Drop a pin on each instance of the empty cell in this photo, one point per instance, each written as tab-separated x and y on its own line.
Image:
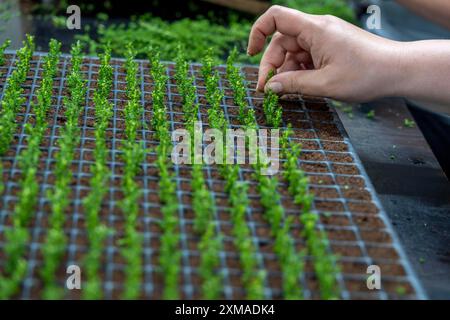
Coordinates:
345	169
326	193
341	234
346	250
382	252
378	236
338	220
333	206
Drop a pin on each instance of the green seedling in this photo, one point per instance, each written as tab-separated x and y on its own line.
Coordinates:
12	96
407	123
2	51
272	110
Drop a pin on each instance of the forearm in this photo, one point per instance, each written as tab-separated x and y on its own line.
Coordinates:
422	71
434	10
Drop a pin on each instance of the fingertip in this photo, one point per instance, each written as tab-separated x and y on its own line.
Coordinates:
259	88
276	87
256	42
253	49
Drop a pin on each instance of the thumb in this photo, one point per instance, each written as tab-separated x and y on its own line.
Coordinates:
308	82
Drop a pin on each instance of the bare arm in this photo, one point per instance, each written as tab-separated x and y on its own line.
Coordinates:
434	10
326	56
426	71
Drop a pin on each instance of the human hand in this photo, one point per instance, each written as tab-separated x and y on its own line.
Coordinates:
324	56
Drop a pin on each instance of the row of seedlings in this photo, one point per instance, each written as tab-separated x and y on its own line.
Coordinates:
203	204
246	115
98	183
169	253
291	262
17	238
13	98
3	47
132	156
324	262
317	241
253	276
55	243
2	63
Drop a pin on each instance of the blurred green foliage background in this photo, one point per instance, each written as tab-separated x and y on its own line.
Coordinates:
196	24
200	32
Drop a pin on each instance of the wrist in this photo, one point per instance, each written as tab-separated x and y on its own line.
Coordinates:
398	70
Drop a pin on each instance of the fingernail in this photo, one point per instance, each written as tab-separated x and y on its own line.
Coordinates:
276	87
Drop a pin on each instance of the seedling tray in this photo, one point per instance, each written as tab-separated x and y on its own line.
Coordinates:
358	229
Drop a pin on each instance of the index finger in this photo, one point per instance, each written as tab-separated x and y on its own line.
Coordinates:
286	21
275	55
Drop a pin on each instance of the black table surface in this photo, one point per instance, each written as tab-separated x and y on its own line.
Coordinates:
411	185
